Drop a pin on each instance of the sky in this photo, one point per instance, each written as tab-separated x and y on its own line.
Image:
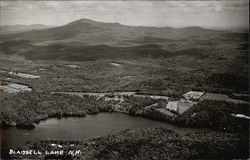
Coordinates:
136	13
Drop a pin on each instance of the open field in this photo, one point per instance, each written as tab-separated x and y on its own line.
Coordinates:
149	68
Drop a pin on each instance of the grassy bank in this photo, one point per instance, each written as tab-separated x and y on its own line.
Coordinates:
26	109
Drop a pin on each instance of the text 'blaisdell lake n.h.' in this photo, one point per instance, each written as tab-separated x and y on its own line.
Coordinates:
124	80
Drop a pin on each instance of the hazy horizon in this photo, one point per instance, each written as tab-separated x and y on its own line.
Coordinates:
206	14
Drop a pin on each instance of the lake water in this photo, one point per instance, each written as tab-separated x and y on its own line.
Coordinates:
81	128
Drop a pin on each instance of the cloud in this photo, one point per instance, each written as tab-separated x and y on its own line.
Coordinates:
158	13
95	5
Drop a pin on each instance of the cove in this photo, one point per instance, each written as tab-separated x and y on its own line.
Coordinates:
96	125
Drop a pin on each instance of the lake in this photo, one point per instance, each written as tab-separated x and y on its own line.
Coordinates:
81	128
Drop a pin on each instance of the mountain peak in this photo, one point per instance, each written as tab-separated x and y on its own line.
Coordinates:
93	22
83	20
95	32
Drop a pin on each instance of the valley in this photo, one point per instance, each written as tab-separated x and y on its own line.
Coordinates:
187	77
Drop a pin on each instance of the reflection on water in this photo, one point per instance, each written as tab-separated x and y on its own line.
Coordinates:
81	128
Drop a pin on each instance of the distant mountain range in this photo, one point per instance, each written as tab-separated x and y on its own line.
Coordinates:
86	39
93	33
9	29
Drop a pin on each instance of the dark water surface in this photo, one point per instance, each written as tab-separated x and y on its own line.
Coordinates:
81	128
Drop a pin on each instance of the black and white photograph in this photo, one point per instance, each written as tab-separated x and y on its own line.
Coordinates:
124	79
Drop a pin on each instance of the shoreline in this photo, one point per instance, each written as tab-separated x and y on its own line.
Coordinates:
169	120
149	107
160	142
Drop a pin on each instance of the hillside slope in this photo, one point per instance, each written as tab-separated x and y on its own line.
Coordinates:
86	39
91	32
